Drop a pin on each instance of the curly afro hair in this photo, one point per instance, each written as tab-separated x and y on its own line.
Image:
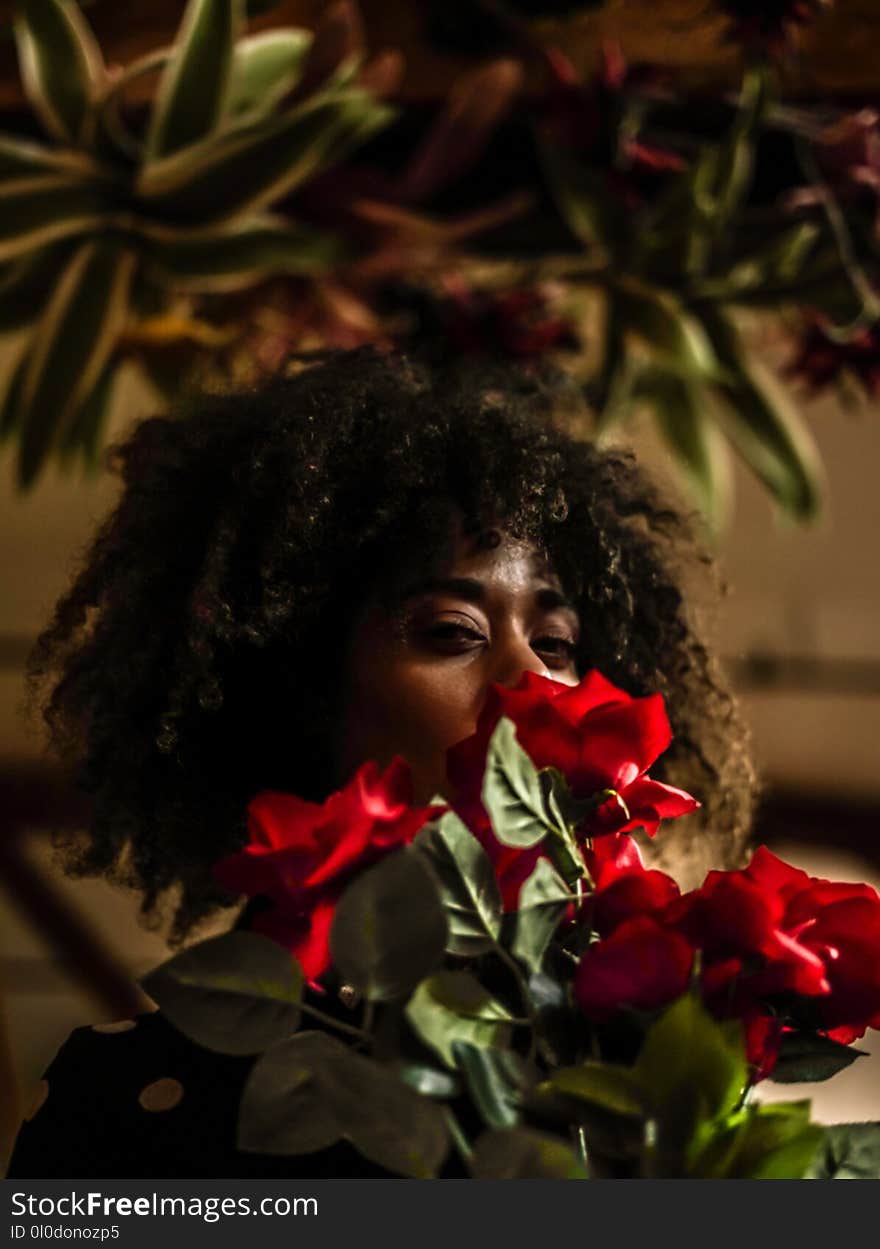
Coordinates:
180	673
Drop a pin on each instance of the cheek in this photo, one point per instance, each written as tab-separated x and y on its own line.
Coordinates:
429	707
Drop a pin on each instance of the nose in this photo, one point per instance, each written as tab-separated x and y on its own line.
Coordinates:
514	659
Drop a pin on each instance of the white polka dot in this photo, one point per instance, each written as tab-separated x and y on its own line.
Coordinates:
39	1097
120	1025
162	1094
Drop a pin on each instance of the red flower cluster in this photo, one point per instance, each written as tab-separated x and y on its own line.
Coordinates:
596	735
821	359
301	855
768	937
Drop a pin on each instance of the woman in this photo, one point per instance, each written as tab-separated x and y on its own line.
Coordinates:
296	579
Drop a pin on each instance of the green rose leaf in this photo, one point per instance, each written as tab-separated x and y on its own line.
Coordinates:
453	1006
542	903
61	65
848	1151
235	994
692	1069
389	930
311	1091
522	1154
774	1142
806	1056
602	1086
191	96
512	791
496	1078
468	886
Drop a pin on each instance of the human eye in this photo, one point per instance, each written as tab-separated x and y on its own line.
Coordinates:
557	651
451	634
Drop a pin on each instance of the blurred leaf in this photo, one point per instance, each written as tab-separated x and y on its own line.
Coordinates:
84	434
35	212
602	1085
250	166
454	1006
512	793
10	409
239	257
679	407
473	108
191	96
763	423
235	994
26	283
778	264
25	159
73	341
264	68
692	1072
522	1154
468	886
849	1151
389	929
429	1081
494	1079
311	1091
543	901
810	1057
656	317
61	65
774	1142
593	216
336	50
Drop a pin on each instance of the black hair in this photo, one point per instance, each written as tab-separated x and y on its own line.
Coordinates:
182	670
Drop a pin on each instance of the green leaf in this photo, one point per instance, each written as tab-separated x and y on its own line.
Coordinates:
191	96
806	1056
542	903
582	198
601	1085
495	1078
265	68
679	408
692	1072
10	410
655	316
248	167
35	212
236	258
22	159
849	1151
429	1081
26	283
235	994
522	1154
453	1006
763	424
512	793
389	930
73	342
468	887
774	1142
84	434
61	65
311	1091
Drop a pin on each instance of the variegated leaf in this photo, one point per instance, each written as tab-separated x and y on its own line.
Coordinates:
249	168
61	65
83	434
265	67
26	283
71	345
37	211
192	93
24	158
233	259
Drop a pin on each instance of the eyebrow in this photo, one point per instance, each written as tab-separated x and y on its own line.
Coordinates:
473	591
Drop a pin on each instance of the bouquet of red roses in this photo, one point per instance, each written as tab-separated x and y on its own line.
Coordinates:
500	979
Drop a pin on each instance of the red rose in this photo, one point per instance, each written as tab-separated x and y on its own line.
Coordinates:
301	855
623	886
642	965
597	735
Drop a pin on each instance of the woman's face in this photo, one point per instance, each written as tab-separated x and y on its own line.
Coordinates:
417	679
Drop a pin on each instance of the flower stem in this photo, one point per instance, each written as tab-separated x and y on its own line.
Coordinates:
461	1142
334	1023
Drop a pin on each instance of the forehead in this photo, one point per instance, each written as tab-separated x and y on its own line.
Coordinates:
493	554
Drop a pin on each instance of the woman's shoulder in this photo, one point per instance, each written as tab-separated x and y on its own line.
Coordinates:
137	1098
